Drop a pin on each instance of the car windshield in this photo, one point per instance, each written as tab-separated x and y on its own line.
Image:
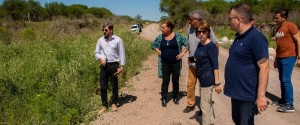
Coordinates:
134	27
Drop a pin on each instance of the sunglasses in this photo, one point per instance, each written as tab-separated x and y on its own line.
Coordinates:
201	31
105	30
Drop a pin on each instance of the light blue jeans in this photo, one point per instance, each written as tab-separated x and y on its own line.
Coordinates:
285	68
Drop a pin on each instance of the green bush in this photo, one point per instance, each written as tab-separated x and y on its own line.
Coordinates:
52	80
28	34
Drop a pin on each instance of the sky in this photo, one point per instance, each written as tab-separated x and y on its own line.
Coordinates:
148	9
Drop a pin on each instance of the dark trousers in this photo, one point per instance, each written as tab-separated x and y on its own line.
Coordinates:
167	70
107	73
243	112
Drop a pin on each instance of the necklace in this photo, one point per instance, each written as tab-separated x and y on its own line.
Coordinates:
168	42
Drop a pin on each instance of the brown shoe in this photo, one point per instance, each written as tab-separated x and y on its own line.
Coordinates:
114	107
102	110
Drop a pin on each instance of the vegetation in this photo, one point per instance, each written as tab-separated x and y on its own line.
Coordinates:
216	11
49	74
31	10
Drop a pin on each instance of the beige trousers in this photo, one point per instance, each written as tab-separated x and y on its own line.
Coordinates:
208	115
191	83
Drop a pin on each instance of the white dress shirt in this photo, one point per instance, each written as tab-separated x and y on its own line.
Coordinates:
111	50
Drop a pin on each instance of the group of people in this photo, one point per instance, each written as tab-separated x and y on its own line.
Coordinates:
246	70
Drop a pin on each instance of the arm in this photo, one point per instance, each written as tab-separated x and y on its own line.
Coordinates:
157	51
217	86
264	69
155	45
184	43
297	38
213	58
99	53
121	50
181	54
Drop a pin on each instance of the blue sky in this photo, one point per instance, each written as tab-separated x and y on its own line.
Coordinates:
148	9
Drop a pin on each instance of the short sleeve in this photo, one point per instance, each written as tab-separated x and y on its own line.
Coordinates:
293	28
259	47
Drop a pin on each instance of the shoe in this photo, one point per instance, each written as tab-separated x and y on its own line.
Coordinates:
114	107
164	102
200	113
280	102
188	109
102	110
176	101
287	108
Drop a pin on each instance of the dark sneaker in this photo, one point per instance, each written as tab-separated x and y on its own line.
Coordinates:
286	108
188	109
280	102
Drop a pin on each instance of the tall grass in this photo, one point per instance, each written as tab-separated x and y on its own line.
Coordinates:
50	77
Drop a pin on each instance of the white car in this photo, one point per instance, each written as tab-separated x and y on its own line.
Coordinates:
135	28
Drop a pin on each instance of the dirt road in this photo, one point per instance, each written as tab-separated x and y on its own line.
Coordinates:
140	104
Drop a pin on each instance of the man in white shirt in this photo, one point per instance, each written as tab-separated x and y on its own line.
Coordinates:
110	52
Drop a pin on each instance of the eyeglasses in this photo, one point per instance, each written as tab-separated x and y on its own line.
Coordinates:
105	30
191	19
231	18
201	31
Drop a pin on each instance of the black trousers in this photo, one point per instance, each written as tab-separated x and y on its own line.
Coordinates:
167	71
243	112
107	73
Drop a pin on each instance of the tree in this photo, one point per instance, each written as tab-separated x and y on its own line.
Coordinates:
77	10
35	10
56	9
178	10
100	12
16	9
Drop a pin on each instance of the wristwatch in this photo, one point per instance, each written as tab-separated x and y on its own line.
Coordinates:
217	84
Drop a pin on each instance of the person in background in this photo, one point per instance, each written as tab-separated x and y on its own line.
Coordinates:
111	53
288	48
195	17
170	47
247	67
207	70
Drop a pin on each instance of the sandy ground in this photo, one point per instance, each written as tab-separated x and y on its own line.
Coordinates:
140	104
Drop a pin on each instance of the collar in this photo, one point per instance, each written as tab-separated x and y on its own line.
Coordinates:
237	35
111	38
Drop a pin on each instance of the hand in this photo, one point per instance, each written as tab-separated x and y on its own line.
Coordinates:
159	53
119	70
189	62
103	62
218	89
275	64
261	103
179	56
298	62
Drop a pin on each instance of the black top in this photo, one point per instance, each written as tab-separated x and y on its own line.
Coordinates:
169	51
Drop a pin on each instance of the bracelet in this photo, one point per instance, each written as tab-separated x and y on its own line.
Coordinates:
217	84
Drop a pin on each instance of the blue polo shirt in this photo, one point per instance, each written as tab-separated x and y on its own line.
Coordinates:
241	70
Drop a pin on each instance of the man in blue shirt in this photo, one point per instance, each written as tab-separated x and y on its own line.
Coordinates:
247	67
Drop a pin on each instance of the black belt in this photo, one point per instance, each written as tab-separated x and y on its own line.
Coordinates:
110	63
